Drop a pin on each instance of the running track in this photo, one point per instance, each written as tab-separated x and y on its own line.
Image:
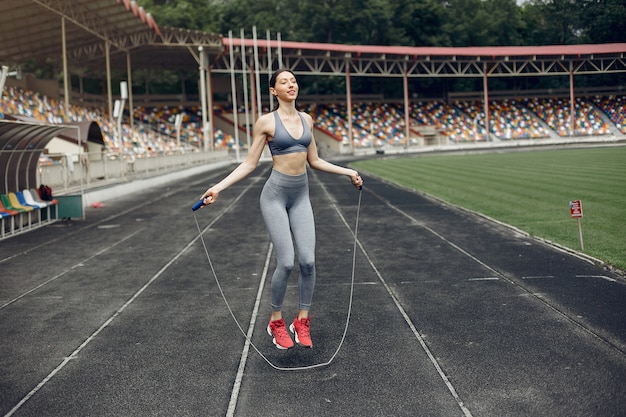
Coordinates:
452	315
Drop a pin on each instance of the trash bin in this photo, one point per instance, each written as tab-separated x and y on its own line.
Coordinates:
70	206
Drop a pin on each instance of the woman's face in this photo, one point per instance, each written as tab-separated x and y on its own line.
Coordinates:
286	87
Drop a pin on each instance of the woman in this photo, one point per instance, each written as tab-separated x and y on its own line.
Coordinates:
285	203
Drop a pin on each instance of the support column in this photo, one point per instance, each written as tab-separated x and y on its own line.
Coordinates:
130	89
107	56
572	100
209	97
244	77
233	88
486	103
269	65
66	80
257	73
205	136
407	109
349	108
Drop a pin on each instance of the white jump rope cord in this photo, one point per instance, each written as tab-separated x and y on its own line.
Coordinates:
345	330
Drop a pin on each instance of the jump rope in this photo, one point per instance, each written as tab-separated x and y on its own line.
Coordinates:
219	286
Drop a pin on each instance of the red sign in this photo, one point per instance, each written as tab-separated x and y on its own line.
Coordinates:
576	208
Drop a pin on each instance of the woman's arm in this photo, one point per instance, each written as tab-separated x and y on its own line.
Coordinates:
260	133
320	164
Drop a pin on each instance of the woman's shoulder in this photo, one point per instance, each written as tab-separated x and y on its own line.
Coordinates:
268	115
306	116
266	118
265	123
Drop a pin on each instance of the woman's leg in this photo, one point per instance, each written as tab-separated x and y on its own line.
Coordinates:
303	227
274	210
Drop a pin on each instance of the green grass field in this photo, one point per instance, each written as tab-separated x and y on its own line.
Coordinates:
530	190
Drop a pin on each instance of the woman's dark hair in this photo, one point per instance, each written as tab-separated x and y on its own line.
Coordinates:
273	82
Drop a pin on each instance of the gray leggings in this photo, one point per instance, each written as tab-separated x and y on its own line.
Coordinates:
286	209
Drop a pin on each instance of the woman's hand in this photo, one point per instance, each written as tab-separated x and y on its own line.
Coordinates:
356	180
209	197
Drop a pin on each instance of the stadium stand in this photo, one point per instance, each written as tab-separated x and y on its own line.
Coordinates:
374	124
556	113
507	120
162	120
141	140
615	109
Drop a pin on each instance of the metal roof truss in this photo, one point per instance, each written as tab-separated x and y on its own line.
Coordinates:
427	66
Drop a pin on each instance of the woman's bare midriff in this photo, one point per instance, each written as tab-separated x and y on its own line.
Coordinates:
291	163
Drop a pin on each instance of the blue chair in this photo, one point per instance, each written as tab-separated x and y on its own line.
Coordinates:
23	203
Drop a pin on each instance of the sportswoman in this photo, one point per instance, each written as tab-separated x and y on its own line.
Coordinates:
285	203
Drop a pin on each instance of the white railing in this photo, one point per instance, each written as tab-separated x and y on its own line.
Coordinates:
69	173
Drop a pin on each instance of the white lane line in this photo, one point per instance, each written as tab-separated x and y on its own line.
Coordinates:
537	296
406	317
539	277
604	277
74	354
97	332
484	279
96	224
234	395
79	264
418	336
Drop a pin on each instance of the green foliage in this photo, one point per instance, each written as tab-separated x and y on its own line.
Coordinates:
529	190
603	21
272	15
483	22
410	23
190	14
404	22
165	82
44	69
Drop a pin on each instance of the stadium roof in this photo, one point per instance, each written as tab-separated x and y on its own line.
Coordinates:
374	60
21	143
34	28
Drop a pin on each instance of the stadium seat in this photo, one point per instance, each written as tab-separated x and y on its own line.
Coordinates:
44	208
23	214
3	228
17	200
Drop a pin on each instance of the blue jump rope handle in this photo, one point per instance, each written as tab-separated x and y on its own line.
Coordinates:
198	205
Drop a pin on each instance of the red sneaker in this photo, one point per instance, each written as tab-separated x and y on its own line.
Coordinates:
301	329
278	331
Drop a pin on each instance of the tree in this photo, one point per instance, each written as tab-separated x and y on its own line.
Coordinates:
272	15
189	14
424	25
603	21
483	22
552	22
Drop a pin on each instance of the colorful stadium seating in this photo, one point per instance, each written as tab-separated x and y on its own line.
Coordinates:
374	124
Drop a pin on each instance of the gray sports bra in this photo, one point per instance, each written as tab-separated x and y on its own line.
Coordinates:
283	143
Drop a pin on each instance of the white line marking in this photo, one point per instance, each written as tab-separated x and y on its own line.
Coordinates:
406	317
77	231
420	339
234	395
484	279
100	329
117	313
539	277
597	276
60	274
